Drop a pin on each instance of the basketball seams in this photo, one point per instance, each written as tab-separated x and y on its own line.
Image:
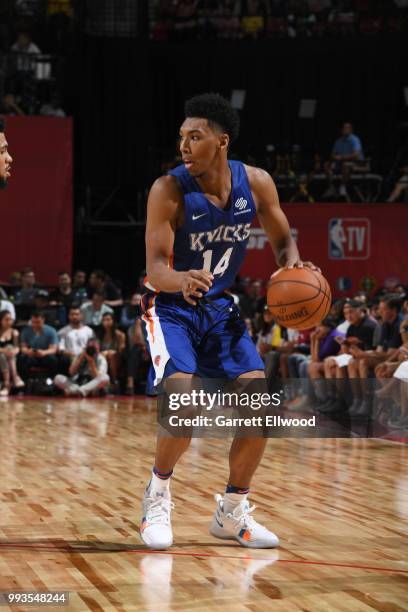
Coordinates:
294	324
294	303
298	282
321	288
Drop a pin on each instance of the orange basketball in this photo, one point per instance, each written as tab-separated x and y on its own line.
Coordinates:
299	298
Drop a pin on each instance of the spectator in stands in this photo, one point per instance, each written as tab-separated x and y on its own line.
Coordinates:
340	311
137	354
400	190
88	373
268	340
24	298
65	295
387	368
347	151
39	344
74	337
93	311
9	106
113	344
55	315
14	284
269	336
9	349
365	361
323	345
249	303
98	281
25	47
359	337
80	287
131	311
79	281
9	307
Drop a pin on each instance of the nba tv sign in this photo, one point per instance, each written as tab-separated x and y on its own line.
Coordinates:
349	238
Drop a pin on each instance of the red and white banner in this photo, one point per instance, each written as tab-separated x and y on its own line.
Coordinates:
36	212
357	246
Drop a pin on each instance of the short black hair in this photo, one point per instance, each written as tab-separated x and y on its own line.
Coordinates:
392	300
356	304
99	274
38	314
217	110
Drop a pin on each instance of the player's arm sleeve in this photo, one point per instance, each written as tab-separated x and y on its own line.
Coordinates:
272	218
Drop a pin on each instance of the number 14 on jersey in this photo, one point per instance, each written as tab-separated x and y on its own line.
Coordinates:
221	266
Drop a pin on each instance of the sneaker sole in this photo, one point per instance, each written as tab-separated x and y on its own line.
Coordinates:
159	547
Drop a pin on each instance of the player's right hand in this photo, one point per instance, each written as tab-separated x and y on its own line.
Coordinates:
194	284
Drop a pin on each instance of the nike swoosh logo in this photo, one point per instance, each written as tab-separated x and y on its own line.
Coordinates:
220	524
195	217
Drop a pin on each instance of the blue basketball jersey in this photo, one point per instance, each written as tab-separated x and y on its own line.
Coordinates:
212	238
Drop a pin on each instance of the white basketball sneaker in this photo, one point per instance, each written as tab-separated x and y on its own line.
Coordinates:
155	529
239	525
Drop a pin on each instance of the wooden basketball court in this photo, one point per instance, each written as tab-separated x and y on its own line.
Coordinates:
72	476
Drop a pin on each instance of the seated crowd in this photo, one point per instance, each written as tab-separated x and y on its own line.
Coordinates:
355	361
83	337
181	20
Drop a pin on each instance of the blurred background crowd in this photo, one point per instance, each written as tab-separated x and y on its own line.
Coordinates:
85	336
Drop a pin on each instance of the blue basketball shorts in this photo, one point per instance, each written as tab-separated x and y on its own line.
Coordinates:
209	340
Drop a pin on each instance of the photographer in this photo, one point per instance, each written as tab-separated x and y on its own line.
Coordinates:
88	372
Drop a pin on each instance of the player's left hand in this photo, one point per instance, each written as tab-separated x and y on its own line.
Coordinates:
303	264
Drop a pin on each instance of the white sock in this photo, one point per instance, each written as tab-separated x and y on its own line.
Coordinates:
231	501
159	485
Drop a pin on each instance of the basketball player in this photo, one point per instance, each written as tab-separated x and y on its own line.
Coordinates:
5	158
198	223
